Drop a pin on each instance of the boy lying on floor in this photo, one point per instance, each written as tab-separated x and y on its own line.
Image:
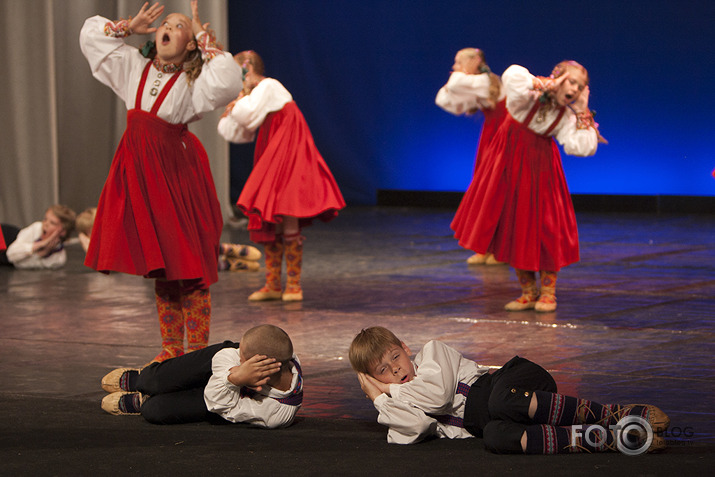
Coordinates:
258	382
515	409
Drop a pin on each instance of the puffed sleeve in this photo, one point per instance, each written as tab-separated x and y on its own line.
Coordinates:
576	142
406	424
109	58
231	131
219	82
462	92
250	111
432	390
518	85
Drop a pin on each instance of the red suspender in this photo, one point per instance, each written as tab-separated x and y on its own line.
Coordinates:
558	118
533	111
162	95
140	90
165	91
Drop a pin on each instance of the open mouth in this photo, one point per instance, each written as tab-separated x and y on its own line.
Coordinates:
165	39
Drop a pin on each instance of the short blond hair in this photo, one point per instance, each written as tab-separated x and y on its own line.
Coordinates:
85	221
369	346
267	340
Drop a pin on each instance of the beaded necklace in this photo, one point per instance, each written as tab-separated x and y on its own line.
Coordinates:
166	67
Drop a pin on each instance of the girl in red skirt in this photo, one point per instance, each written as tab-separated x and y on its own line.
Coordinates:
158	215
290	184
473	87
522	210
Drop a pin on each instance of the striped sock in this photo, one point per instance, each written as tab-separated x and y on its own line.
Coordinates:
130	403
561	410
128	380
544	439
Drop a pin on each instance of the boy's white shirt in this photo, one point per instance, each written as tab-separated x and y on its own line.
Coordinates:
224	398
439	369
20	253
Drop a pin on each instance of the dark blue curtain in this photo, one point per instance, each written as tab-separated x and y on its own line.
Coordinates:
365	75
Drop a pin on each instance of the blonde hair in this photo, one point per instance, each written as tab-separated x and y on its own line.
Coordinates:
66	216
85	220
193	63
252	58
369	346
268	340
561	68
494	80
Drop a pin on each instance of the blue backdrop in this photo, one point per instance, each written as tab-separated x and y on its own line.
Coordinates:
365	75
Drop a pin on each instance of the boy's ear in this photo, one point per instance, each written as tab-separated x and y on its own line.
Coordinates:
406	348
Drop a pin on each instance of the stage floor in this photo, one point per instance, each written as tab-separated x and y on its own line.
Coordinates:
635	320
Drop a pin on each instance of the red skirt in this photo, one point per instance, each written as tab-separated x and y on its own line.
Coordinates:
492	120
158	215
518	206
289	177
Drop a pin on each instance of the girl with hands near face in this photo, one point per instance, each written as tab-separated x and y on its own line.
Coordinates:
472	87
158	216
290	185
526	215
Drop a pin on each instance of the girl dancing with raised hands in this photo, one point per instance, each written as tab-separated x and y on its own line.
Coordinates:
158	215
473	87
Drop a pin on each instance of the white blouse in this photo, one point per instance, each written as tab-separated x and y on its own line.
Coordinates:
464	92
224	398
249	112
521	96
119	66
439	369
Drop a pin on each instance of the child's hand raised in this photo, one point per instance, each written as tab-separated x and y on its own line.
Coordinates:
254	372
141	23
196	25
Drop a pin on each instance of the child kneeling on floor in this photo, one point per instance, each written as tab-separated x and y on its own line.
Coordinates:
515	409
257	382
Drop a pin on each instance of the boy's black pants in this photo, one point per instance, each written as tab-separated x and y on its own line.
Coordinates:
176	387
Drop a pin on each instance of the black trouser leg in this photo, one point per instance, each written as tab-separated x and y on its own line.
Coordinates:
183	372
